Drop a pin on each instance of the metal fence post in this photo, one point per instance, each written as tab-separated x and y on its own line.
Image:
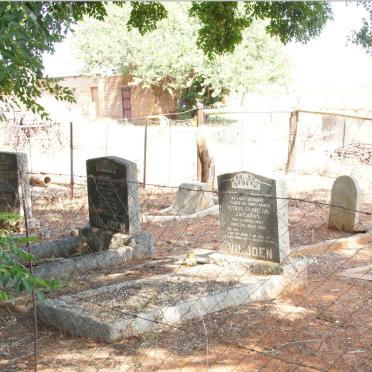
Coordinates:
26	213
145	155
71	160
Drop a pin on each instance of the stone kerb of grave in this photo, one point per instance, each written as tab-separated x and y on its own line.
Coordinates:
160	301
193	200
217	283
345	204
14	183
114	209
254	217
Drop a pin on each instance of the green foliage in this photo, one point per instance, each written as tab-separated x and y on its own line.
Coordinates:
293	20
27	30
13	273
222	23
197	92
9	217
168	56
363	36
30	28
144	16
222	26
9	222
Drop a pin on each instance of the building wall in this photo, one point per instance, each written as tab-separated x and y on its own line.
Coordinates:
144	101
81	86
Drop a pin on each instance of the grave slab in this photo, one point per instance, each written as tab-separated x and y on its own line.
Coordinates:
101	239
191	198
98	240
211	211
135	307
254	216
249	264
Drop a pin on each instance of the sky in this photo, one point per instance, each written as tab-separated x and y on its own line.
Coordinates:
328	61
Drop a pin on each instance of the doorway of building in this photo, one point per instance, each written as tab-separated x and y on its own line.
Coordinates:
127	102
94	98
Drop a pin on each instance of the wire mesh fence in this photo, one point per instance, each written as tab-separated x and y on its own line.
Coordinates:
325	145
171	288
334	144
191	304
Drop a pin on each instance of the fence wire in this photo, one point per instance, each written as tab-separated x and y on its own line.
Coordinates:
186	307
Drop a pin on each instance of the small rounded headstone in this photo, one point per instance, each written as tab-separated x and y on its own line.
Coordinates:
75	231
345	204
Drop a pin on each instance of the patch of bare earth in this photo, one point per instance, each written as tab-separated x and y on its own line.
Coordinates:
325	325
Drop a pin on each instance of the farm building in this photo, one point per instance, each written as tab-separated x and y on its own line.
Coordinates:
116	97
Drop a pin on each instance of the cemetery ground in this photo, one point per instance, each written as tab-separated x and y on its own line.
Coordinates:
326	320
325	324
58	215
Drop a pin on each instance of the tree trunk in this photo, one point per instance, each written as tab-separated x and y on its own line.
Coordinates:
206	167
205	163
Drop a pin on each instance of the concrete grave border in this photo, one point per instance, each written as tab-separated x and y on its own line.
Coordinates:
61	267
334	244
362	272
212	211
78	321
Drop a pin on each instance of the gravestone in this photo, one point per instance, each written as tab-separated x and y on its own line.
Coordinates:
254	216
14	183
113	195
345	204
191	197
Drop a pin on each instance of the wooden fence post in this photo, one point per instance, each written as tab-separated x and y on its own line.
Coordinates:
199	114
199	121
293	121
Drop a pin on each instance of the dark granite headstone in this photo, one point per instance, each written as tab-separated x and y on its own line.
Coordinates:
113	195
14	183
254	216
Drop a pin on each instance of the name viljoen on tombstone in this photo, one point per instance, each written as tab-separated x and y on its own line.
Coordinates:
113	194
13	176
254	221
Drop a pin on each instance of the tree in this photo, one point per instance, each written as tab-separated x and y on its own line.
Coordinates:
28	29
168	56
363	36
